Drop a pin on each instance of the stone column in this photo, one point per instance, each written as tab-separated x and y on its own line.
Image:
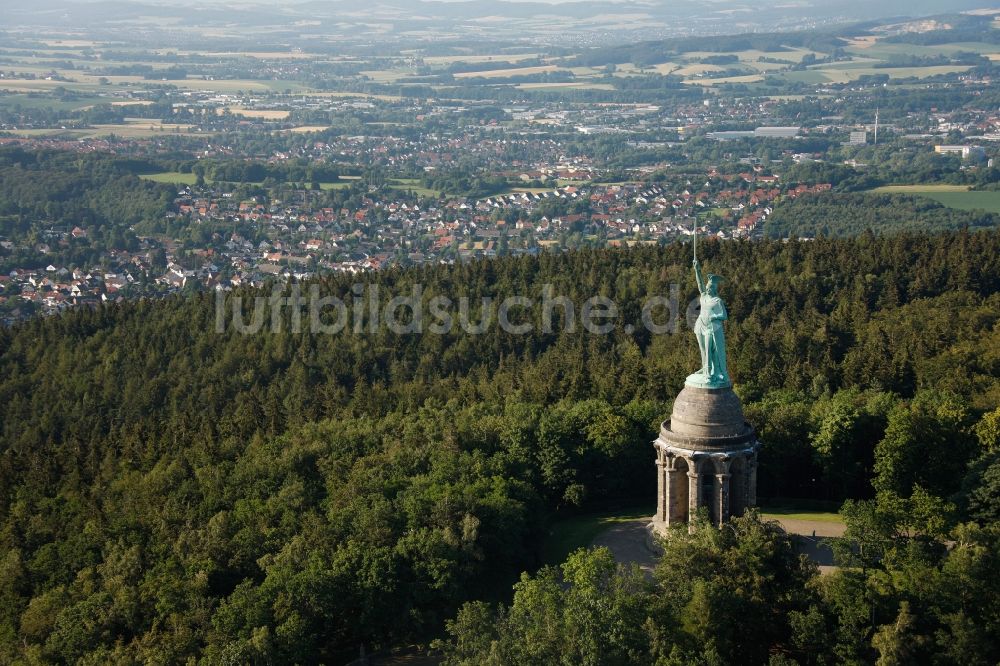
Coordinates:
752	480
676	487
694	494
722	497
661	488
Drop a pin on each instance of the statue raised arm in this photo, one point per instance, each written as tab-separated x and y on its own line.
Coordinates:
697	276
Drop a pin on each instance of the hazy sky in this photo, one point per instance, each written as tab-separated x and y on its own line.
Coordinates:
940	6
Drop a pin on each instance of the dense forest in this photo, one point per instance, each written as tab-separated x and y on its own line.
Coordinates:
171	492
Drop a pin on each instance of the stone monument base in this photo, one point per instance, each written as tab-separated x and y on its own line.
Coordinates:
706	457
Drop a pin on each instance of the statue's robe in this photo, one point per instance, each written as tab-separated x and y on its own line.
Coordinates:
711	338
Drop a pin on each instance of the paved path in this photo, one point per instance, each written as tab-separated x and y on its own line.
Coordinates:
628	541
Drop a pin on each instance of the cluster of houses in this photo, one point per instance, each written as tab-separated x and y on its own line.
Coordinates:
54	288
255	241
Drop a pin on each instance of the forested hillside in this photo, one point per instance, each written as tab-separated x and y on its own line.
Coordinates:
168	491
42	191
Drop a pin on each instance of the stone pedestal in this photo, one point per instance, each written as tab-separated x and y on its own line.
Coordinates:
706	456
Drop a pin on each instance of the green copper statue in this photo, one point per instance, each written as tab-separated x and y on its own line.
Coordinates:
708	331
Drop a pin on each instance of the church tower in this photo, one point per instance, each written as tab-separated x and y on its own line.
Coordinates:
706	454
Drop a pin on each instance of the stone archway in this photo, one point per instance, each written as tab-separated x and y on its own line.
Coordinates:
708	489
738	486
678	500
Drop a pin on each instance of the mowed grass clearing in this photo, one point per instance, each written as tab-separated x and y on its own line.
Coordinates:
565	536
988	201
413	185
792	514
953	196
172	178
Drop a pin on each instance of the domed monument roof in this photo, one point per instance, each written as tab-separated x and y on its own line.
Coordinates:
707	419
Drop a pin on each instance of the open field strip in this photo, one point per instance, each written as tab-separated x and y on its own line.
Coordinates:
71	43
335	94
662	68
584	71
388	75
505	73
987	201
412	185
694	69
178	178
578	85
746	78
262	114
789	514
90	83
765	66
959	197
883	50
172	178
476	59
261	55
306	129
922	189
143	130
29	102
793	54
846	75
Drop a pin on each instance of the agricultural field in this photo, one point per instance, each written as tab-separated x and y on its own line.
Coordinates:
507	73
413	185
952	196
921	189
578	85
35	101
261	114
306	129
477	59
172	178
132	128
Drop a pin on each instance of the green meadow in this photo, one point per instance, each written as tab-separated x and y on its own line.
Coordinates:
952	196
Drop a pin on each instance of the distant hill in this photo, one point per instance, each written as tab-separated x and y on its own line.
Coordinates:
322	18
